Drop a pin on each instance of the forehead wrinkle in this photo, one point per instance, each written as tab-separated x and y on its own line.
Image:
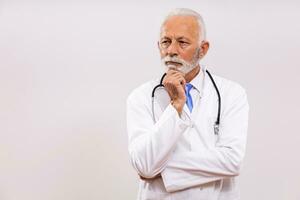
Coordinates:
177	26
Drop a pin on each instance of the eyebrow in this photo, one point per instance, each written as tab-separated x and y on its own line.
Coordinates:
164	38
182	37
178	38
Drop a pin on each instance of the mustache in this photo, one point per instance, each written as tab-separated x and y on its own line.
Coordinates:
173	59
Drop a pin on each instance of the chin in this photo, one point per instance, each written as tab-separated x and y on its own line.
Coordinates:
185	69
172	67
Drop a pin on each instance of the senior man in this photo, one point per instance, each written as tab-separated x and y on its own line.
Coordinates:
178	145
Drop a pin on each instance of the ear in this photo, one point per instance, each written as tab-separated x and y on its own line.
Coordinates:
204	48
159	49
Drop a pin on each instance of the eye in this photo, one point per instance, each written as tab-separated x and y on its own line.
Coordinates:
165	43
183	42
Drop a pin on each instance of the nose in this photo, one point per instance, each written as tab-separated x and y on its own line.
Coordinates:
172	50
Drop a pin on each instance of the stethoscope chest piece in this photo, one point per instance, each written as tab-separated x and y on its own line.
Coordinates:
216	129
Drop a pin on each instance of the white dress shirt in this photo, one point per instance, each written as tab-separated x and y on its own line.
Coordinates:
180	157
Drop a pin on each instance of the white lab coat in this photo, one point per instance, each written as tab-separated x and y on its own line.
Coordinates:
180	156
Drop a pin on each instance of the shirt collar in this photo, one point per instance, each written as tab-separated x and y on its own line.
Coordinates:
197	81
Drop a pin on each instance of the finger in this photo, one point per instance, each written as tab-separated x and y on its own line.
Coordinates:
171	72
179	78
176	71
184	82
175	78
171	77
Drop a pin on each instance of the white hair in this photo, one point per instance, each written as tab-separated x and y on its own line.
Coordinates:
189	12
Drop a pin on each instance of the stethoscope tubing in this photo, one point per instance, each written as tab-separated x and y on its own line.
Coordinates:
217	122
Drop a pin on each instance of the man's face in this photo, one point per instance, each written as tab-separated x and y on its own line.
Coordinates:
179	43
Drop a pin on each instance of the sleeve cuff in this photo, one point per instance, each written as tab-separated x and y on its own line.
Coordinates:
184	118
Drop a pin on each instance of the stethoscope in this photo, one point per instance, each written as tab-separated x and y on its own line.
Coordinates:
217	122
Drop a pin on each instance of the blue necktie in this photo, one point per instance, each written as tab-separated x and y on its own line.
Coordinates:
189	101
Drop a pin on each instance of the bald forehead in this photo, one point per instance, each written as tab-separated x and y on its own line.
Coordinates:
181	26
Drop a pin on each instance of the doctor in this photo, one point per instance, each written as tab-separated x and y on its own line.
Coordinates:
173	145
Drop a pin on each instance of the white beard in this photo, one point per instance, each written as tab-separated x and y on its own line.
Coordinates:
185	67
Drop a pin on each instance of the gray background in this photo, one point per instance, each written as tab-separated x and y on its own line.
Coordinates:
66	69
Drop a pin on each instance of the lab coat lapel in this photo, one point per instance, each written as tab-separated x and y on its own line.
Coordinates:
186	110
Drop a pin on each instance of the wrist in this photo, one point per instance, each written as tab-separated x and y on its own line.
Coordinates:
178	105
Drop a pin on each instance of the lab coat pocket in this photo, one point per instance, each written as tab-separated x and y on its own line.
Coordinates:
211	131
199	193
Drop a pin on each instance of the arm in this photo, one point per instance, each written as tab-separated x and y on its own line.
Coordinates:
224	160
150	145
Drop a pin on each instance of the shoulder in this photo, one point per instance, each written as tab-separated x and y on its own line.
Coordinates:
224	85
231	91
229	86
